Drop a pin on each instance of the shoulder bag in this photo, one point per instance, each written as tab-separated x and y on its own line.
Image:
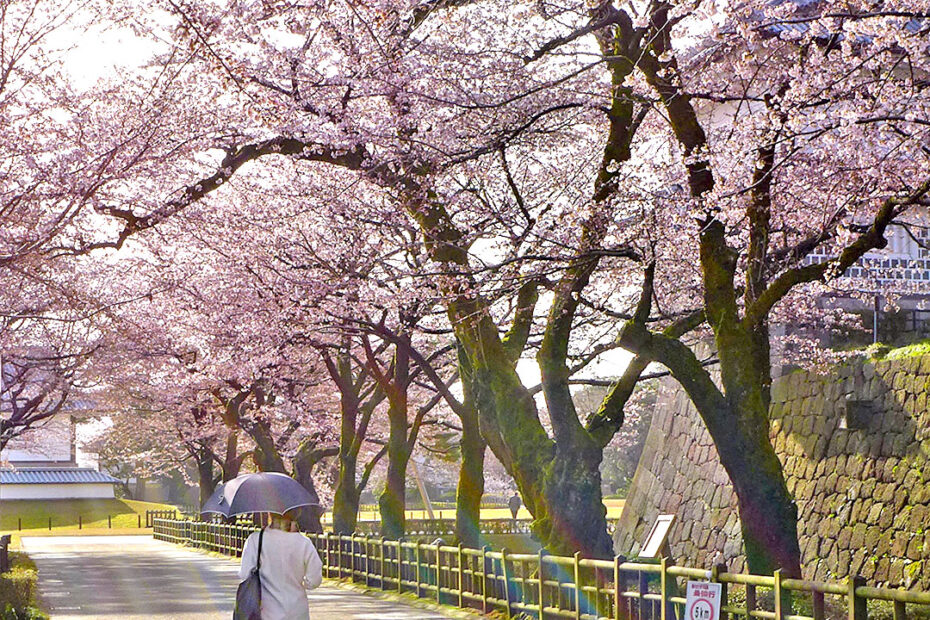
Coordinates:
249	594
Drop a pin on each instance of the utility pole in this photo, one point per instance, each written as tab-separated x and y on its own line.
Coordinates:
422	489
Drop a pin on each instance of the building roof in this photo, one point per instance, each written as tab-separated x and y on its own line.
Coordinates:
54	475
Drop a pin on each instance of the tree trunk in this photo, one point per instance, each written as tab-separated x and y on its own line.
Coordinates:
768	515
205	477
737	420
560	484
307	457
232	463
393	501
345	500
309	519
470	485
575	516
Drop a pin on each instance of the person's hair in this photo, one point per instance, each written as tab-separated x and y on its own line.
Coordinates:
283	522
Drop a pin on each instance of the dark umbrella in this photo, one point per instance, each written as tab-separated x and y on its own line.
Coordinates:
261	492
217	503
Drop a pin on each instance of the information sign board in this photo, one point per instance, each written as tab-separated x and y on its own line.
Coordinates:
703	601
657	536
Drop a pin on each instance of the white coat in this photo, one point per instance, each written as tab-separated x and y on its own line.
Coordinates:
290	567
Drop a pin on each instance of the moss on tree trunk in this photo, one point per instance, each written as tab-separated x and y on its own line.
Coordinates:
470	485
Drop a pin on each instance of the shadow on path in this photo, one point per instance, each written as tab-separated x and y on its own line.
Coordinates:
136	577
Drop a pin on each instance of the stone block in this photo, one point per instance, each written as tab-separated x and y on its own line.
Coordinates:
924	365
843	539
854	466
883	544
885	492
896	573
842	562
899	381
881	570
899	543
900	498
856	560
886	517
857	538
900	447
876	389
887	469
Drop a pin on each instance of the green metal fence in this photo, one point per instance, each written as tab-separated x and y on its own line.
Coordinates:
547	586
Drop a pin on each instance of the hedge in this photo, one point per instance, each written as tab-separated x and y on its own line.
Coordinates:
18	590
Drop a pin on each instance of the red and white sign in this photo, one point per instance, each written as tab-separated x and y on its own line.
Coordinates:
703	601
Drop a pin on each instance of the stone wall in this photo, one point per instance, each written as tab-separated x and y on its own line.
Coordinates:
855	446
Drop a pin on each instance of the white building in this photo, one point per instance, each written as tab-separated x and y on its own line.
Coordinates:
43	464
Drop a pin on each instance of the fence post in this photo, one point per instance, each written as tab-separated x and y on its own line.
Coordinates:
819	606
438	572
5	553
326	553
663	585
80	522
400	566
619	587
484	579
540	573
577	568
461	577
900	613
352	558
139	521
857	604
383	567
110	522
418	568
506	581
643	590
715	572
779	611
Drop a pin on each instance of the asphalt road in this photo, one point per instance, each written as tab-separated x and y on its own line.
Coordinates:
136	578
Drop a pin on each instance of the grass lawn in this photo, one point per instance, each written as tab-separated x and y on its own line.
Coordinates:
614	508
67	514
514	543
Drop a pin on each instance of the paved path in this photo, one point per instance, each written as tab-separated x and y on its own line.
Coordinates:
136	578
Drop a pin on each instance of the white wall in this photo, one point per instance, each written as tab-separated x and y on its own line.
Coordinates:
56	491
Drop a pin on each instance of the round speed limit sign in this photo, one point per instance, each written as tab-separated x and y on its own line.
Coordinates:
703	601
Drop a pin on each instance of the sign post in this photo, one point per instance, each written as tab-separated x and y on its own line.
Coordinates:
702	601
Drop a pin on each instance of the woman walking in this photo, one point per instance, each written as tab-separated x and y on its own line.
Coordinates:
289	567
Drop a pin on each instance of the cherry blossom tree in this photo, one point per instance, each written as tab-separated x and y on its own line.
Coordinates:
568	168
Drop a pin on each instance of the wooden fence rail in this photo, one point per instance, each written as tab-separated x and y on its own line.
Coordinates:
151	515
547	586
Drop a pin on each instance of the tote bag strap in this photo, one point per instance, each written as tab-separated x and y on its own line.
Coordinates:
258	562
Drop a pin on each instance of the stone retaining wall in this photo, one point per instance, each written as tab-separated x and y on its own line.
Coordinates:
855	446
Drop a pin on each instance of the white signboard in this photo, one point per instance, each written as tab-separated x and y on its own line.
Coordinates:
703	601
657	536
